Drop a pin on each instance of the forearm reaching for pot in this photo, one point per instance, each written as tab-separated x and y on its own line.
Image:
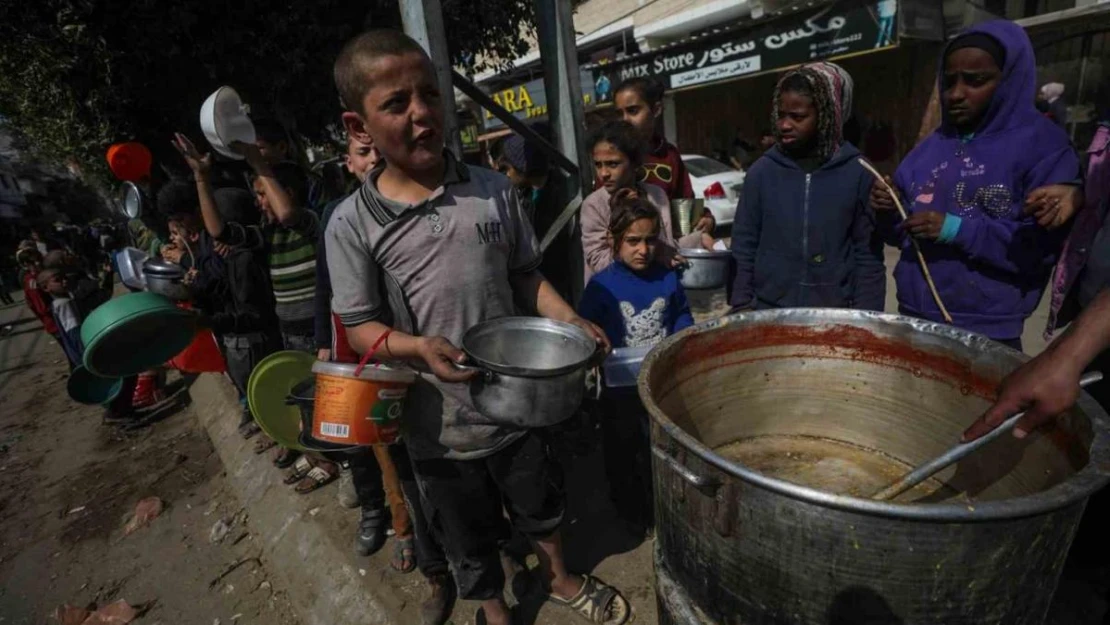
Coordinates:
1048	385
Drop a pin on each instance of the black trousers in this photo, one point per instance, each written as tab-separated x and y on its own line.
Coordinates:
467	499
366	475
624	435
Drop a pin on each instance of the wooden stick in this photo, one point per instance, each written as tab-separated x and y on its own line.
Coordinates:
916	247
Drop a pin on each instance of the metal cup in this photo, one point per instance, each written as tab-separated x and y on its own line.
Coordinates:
685	214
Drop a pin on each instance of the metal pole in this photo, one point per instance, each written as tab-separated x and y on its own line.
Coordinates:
559	57
423	21
474	93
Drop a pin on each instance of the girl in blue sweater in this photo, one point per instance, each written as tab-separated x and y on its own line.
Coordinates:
637	302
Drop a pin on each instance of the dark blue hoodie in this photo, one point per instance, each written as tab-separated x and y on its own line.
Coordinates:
991	275
806	239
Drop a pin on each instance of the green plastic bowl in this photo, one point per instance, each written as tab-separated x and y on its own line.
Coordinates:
87	388
134	333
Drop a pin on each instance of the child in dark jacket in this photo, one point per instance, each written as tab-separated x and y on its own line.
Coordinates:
804	233
965	186
637	302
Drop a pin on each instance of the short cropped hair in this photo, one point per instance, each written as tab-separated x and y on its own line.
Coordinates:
176	197
352	65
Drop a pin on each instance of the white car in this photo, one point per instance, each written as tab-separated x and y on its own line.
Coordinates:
719	184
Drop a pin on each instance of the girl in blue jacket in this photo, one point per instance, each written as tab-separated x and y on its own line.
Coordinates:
804	230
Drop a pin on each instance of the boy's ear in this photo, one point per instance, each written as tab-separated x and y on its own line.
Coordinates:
356	127
657	110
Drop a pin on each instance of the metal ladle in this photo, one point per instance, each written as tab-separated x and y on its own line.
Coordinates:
960	451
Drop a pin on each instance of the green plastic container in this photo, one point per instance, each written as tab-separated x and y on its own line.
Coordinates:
133	333
87	388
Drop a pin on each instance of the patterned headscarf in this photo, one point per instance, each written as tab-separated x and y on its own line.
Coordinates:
831	87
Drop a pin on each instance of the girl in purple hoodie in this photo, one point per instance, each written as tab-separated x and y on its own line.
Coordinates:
965	186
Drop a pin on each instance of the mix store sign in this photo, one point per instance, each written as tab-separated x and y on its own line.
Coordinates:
829	32
528	102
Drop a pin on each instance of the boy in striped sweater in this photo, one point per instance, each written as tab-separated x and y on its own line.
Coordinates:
288	234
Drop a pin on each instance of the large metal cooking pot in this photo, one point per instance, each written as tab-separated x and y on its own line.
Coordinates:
704	269
735	545
165	278
533	371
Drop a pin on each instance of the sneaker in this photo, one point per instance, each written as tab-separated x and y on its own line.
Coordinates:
371	531
347	496
436	609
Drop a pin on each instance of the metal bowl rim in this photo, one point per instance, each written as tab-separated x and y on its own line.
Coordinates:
697	252
537	324
1079	486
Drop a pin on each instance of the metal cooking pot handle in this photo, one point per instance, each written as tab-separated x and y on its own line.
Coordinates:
486	374
708	485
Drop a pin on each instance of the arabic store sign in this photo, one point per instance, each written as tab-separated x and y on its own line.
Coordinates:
816	35
529	101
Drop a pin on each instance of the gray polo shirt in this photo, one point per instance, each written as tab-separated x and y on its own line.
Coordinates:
436	268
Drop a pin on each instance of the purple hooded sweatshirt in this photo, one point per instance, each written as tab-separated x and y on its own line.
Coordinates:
993	271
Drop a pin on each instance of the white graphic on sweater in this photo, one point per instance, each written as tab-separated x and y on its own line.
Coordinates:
645	327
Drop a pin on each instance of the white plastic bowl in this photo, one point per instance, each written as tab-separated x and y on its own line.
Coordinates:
224	120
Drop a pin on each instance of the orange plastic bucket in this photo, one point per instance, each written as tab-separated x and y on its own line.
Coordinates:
362	409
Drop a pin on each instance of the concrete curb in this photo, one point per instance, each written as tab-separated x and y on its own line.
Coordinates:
301	535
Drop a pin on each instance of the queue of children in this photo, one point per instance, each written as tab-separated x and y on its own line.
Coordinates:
406	264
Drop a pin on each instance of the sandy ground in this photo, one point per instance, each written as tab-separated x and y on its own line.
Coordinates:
68	485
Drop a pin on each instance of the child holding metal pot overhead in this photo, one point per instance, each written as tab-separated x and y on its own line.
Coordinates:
638	303
964	188
804	233
427	249
287	236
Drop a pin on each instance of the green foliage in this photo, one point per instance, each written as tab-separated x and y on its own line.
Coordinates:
78	75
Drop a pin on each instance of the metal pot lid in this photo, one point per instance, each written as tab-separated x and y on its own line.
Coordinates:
163	268
528	346
132	200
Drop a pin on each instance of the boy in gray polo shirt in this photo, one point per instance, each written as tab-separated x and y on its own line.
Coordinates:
425	250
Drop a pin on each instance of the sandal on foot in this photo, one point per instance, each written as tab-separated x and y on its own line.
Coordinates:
404	555
286	458
322	474
248	429
597	602
263	444
300	469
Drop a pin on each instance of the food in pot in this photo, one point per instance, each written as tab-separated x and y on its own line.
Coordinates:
830	465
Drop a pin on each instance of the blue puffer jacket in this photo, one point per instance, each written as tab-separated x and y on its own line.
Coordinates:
807	239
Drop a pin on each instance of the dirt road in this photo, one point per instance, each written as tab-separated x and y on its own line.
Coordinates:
69	484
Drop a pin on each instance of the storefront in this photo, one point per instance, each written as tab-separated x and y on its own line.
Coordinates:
528	103
721	83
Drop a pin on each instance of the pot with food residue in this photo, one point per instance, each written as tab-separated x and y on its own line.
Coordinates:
771	429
